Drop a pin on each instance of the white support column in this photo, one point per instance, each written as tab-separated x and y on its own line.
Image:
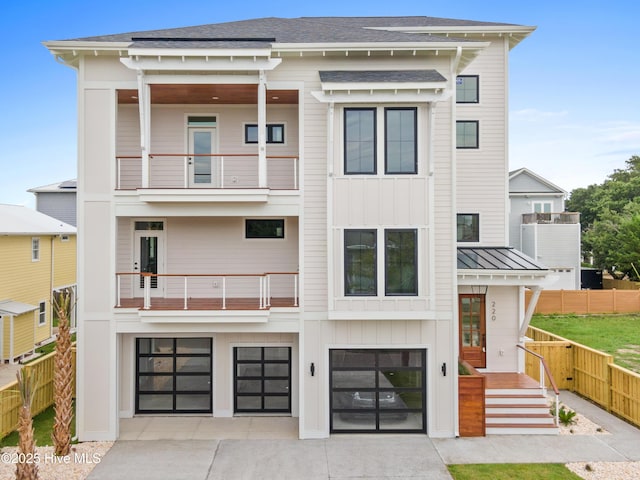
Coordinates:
144	109
262	130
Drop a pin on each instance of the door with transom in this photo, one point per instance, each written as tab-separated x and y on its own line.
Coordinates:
473	329
202	144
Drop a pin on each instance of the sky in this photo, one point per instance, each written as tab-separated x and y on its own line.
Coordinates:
574	116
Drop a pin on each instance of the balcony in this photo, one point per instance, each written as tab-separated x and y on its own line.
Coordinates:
206	295
563	218
226	177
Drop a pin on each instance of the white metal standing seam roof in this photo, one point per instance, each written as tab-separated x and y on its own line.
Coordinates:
19	220
11	307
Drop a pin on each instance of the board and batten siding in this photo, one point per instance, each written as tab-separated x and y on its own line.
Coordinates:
482	172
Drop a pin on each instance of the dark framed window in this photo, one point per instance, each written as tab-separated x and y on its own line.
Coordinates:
400	131
467	134
401	262
468	226
261	228
467	89
359	141
360	268
275	133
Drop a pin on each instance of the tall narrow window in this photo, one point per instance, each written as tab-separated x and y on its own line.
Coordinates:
42	314
360	140
35	249
360	262
400	140
401	262
467	89
467	134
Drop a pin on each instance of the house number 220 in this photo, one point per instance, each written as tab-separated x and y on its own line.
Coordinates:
493	311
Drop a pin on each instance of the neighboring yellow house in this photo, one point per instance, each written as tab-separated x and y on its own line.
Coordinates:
37	259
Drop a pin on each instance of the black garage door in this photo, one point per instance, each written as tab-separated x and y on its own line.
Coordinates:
262	381
378	390
173	375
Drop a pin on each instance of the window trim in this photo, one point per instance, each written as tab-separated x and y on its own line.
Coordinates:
374	110
280	236
415	263
35	249
42	314
474	215
268	134
415	141
542	204
477	77
477	144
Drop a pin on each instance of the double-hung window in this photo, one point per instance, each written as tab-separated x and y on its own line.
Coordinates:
35	249
400	262
400	131
42	313
360	141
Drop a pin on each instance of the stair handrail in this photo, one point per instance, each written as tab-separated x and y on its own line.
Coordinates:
544	368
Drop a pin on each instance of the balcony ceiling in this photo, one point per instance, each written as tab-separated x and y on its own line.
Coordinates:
209	94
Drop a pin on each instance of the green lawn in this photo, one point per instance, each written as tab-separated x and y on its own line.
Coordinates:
42	425
618	335
523	471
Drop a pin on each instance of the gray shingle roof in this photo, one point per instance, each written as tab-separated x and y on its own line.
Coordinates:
300	30
382	76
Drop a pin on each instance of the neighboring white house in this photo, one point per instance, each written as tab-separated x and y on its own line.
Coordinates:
296	216
57	200
540	227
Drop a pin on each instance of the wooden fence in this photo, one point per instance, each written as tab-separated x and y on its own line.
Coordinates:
10	399
609	283
588	372
584	302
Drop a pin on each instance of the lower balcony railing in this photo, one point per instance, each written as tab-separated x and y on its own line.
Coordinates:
209	291
181	170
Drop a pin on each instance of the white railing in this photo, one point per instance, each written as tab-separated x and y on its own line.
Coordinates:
229	170
208	291
545	369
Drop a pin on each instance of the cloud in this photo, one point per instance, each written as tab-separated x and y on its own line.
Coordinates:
535	115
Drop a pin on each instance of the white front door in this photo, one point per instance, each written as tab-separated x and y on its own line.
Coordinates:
202	166
148	258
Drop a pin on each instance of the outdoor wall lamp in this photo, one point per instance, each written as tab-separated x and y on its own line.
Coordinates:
444	369
312	369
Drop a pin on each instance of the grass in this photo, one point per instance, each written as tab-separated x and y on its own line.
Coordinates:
48	348
617	335
521	471
42	425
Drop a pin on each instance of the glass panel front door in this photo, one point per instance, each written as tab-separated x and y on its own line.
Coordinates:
472	329
201	163
148	259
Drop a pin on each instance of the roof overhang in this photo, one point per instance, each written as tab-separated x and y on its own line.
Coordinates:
11	307
505	278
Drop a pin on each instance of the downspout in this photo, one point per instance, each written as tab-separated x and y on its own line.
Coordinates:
262	130
144	128
11	328
51	283
330	203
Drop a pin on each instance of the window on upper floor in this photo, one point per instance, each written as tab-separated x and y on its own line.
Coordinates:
467	134
42	313
263	228
399	145
35	249
400	140
467	89
468	227
360	140
400	262
542	207
275	133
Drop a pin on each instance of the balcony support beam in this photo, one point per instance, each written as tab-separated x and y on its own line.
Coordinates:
144	109
262	130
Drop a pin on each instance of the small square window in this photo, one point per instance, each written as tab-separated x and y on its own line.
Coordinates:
35	249
467	89
259	228
468	226
467	134
42	314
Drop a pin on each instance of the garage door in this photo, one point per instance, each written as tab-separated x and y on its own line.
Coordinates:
382	391
173	375
262	382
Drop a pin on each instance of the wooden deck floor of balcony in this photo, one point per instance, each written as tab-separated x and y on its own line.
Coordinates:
206	303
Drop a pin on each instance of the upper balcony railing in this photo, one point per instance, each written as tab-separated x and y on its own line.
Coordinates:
220	171
206	291
563	218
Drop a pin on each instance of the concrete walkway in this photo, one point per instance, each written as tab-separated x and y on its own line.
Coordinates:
246	455
8	373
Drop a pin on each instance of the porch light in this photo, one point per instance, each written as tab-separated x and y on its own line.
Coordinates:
215	98
275	98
